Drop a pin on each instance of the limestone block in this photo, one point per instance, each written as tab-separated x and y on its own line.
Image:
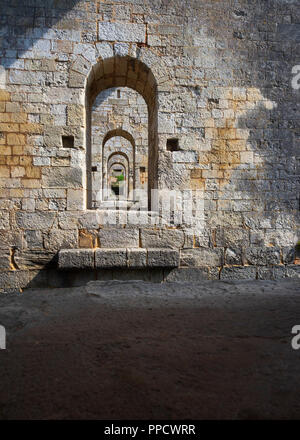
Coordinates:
105	50
136	257
238	273
185	156
201	257
287	31
35	220
279	272
76	79
132	32
119	238
76	259
59	239
35	259
75	115
186	274
163	238
41	161
265	273
34	239
163	258
4	219
293	271
4	261
62	177
105	258
10	238
233	256
262	255
288	254
14	280
232	237
75	199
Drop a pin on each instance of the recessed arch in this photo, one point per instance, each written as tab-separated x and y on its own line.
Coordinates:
125	168
119	132
124	71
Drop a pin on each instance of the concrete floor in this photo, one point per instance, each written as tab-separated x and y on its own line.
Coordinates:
136	350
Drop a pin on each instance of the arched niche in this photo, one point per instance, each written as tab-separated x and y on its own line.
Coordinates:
124	71
121	158
130	157
115	162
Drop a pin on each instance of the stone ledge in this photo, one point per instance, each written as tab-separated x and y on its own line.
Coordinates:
105	258
76	259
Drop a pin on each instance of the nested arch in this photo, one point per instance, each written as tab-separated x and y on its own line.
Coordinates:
116	162
122	134
124	71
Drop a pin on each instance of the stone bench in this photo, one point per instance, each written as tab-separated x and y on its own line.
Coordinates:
104	258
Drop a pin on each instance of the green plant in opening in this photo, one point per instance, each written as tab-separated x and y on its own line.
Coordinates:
120	178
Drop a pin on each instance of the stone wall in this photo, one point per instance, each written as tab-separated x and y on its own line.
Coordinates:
223	119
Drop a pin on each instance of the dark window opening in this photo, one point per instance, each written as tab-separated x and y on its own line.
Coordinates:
67	141
172	145
119	93
142	169
94	168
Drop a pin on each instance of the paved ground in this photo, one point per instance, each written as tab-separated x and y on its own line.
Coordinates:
136	350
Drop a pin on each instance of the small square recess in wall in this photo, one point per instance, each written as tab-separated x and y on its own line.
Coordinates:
172	144
67	141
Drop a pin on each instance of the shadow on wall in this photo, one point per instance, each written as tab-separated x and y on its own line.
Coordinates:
53	278
264	187
23	25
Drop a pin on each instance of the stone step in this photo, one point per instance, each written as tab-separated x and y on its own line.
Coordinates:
105	258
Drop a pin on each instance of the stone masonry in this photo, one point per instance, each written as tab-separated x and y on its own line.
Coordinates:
190	96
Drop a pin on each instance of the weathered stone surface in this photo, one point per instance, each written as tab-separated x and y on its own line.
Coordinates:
163	258
10	239
232	237
262	256
238	273
60	239
76	259
191	275
265	273
288	254
109	258
4	220
75	201
131	32
35	220
13	281
137	257
35	259
4	261
233	256
201	257
119	237
288	31
293	271
162	238
63	177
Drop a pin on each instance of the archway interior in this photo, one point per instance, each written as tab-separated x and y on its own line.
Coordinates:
117	180
121	103
118	175
119	126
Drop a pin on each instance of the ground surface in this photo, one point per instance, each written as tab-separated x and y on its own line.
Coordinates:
136	350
